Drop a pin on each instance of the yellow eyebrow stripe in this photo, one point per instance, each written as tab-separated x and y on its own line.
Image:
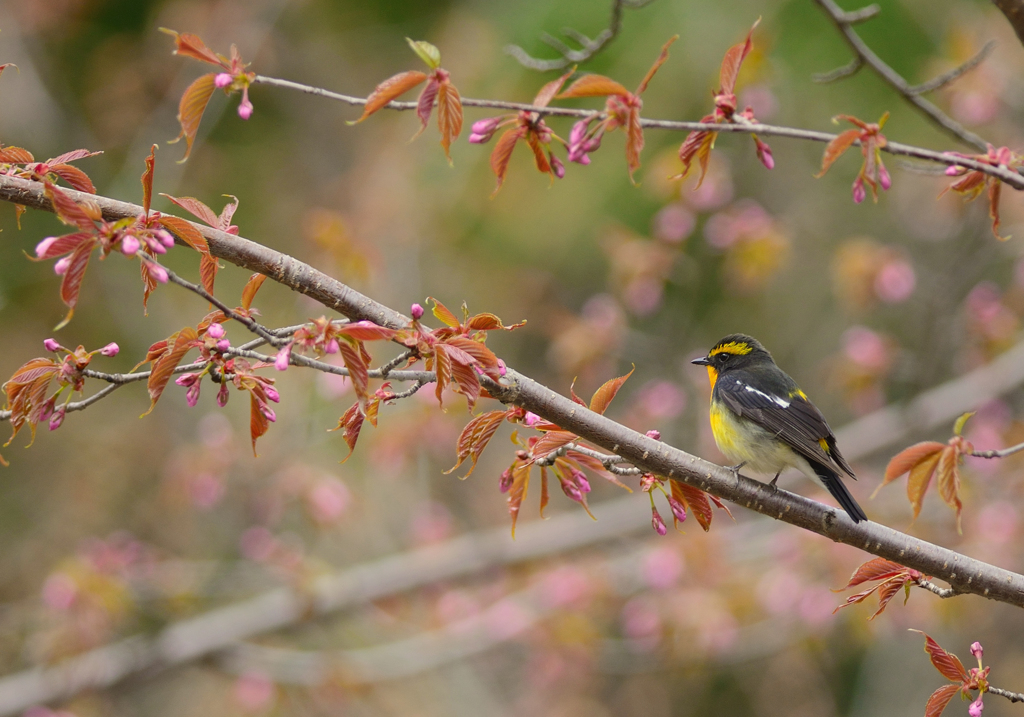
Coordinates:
736	348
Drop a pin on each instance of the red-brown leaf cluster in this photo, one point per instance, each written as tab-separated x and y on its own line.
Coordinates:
891	578
950	667
872	171
972	182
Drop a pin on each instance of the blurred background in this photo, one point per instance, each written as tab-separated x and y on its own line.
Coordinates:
115	527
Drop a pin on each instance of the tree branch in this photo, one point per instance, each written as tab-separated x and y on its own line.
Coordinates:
1012	696
947	77
589	47
844	22
1014	12
1009	176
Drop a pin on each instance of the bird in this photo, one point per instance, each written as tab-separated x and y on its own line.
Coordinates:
760	418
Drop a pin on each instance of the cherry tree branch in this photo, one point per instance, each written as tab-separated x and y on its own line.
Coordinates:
1009	176
1000	453
844	22
1012	696
589	47
936	590
952	75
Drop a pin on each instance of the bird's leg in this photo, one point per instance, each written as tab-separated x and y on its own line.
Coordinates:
736	468
775	481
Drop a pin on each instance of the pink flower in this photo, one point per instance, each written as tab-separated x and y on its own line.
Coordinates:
165	237
502	370
951	171
215	331
268	413
273	395
883	177
158	272
327	500
654	433
245	106
192	394
45	244
657	523
222	80
187	379
572	491
678	509
977	650
281	362
110	349
223	395
61	267
532	419
129	245
482	130
557	167
416	311
976	707
156	246
332	347
764	153
895	281
57	418
223	345
51	344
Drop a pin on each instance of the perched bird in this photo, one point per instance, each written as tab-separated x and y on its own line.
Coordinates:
761	419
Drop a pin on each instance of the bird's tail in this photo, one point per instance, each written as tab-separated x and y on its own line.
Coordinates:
834	484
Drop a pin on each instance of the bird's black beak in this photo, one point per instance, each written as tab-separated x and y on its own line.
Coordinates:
704	361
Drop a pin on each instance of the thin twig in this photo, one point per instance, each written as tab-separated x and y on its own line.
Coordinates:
1012	696
844	22
847	70
246	321
947	77
935	589
1008	176
998	454
589	47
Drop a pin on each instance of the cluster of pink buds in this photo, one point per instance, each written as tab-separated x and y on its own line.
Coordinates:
576	486
583	140
319	337
648	482
69	375
227	82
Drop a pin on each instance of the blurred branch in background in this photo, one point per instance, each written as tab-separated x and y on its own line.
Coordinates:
1014	12
589	47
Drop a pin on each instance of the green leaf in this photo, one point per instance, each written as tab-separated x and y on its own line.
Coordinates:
958	427
427	52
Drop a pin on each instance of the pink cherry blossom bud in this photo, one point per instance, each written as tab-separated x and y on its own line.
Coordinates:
165	237
581	481
268	413
505	482
332	347
577	155
186	379
51	344
657	523
158	272
764	153
57	418
45	244
654	433
486	126
502	370
478	138
678	509
61	267
953	171
883	177
129	245
192	394
222	80
47	409
417	312
977	650
223	395
156	246
859	193
110	349
245	106
273	395
215	331
531	419
223	345
974	710
557	167
594	143
281	362
572	491
578	132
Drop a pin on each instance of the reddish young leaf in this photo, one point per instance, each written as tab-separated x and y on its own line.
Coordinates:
196	208
149	284
258	423
475	437
388	90
74	176
425	104
489	322
517	492
597	467
886	592
634	142
994	189
604	395
876	569
696	500
357	368
545	496
594	86
539	157
449	115
67	210
72	283
227	214
503	153
71	156
658	63
551	442
147	180
366	331
65	244
190	45
734	57
939	699
26	391
466	381
835	149
208	268
948	472
948	664
698	144
186	231
920	478
15	155
191	108
178	345
250	289
548	91
352	422
908	458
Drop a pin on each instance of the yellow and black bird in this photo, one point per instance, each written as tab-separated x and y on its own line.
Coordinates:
761	418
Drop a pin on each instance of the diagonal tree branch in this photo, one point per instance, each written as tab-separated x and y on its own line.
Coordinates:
1014	12
844	21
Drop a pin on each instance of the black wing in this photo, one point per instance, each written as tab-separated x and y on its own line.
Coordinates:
789	415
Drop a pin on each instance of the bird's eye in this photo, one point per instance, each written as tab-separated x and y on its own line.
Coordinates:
723	357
